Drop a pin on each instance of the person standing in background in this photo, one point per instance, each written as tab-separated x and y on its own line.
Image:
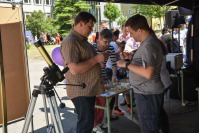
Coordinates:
57	38
166	38
165	78
103	46
95	36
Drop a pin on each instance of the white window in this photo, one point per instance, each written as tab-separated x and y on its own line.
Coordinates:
47	2
38	2
48	15
27	1
26	15
129	11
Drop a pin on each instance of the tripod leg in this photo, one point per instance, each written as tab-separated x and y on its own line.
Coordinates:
57	114
30	111
45	109
52	112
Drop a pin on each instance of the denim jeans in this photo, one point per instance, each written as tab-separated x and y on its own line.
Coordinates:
148	108
85	111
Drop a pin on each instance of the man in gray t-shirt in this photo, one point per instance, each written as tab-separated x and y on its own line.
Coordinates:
144	73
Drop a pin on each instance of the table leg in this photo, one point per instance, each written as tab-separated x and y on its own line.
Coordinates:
182	88
131	102
108	113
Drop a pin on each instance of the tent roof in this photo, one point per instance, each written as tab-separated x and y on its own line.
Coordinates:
183	3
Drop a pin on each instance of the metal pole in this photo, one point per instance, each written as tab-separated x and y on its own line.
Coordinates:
3	91
98	19
26	59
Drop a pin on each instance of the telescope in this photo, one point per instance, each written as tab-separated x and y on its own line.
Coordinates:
52	73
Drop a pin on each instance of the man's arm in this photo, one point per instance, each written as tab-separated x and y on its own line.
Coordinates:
82	67
114	70
146	72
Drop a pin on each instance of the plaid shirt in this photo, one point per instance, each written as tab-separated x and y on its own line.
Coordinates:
75	48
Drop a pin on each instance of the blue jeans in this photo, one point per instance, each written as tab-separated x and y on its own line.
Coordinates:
148	108
85	111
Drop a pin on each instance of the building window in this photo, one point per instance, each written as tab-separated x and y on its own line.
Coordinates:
48	15
123	12
47	2
104	7
129	11
27	14
27	1
38	2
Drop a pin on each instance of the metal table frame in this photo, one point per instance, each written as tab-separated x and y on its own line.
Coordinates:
108	95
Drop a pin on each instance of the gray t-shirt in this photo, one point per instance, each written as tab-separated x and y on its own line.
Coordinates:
148	54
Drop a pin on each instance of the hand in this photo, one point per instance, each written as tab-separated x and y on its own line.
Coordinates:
121	63
102	65
114	79
101	57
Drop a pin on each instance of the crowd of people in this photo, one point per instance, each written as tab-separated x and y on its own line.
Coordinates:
48	39
132	54
176	42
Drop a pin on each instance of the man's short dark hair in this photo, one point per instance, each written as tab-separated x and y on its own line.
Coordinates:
138	22
165	30
106	33
85	17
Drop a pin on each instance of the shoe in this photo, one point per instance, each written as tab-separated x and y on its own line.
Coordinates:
118	111
113	118
104	126
129	110
98	129
123	103
134	105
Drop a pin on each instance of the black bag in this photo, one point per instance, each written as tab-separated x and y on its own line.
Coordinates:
121	73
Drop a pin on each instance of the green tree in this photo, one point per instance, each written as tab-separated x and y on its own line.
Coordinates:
151	11
36	23
50	27
122	20
111	12
65	12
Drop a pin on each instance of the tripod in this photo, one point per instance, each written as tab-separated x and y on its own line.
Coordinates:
47	92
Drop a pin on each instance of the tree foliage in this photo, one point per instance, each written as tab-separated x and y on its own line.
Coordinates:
38	23
35	23
122	20
112	12
65	12
152	11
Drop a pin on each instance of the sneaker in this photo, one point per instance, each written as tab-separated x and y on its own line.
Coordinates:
118	111
97	129
129	110
134	105
123	103
113	118
104	126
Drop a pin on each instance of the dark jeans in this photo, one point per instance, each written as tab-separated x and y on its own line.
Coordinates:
85	111
148	108
164	120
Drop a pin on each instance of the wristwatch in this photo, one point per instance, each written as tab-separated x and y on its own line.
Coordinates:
128	63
